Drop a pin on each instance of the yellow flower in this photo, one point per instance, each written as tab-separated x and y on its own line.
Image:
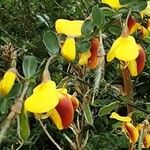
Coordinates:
124	48
113	3
71	29
43	99
7	82
146	141
68	27
129	129
68	49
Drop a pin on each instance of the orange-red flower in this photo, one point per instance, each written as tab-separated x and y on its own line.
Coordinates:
128	128
62	115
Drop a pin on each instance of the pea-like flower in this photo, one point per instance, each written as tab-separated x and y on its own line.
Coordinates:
128	128
62	115
124	49
146	141
43	99
71	29
7	81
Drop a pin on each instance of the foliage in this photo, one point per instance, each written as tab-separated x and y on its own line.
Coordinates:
28	27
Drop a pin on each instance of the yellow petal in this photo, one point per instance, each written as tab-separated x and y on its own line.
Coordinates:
132	66
146	141
113	3
131	132
69	28
126	48
68	49
111	55
114	115
62	90
83	58
43	99
7	82
54	115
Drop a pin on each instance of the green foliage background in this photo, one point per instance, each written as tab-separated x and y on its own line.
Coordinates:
23	23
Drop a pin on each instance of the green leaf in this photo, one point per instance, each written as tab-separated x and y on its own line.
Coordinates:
23	125
87	27
50	40
138	5
115	29
83	46
88	114
4	107
124	2
97	16
29	66
108	108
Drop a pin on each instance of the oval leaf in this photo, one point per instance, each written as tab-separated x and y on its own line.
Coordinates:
97	16
105	110
87	27
88	114
23	125
29	66
83	46
50	40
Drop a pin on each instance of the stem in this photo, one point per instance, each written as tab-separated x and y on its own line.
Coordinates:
141	138
100	69
46	74
15	110
49	136
129	92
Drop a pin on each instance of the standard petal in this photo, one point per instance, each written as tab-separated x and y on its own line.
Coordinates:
113	3
127	49
114	115
68	27
7	82
43	99
68	49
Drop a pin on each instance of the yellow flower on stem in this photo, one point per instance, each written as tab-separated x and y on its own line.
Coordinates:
7	82
113	3
62	115
43	99
128	128
71	29
124	49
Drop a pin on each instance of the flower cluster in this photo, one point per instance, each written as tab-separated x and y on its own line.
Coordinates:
72	29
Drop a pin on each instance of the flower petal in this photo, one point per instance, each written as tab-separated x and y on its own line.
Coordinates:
94	58
146	141
83	58
131	132
7	82
126	48
68	49
68	27
132	66
113	3
43	99
114	115
65	111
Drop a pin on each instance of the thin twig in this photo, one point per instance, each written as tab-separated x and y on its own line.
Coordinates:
49	136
